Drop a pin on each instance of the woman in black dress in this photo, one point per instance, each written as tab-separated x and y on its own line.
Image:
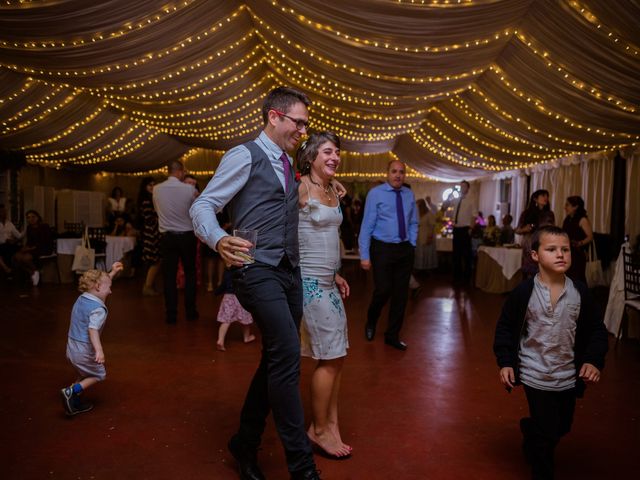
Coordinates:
578	226
537	214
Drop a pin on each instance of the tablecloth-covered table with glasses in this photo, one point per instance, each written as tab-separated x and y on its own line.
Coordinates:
498	269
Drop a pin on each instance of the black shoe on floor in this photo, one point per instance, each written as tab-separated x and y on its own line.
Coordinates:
397	344
311	474
67	400
369	332
80	406
247	460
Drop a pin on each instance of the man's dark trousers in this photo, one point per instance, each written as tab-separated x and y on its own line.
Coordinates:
462	255
273	296
392	264
175	246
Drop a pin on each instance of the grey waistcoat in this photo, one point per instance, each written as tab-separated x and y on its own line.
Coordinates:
262	205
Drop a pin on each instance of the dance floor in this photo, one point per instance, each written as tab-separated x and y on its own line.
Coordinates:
171	401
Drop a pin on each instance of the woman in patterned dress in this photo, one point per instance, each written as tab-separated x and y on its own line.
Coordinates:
324	323
149	235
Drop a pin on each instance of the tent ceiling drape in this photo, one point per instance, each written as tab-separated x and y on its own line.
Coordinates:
453	88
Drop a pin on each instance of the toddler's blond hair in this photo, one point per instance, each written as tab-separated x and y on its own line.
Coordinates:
89	279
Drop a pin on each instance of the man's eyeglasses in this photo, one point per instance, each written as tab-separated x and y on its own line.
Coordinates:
300	124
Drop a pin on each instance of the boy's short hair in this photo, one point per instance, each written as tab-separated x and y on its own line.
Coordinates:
546	230
89	279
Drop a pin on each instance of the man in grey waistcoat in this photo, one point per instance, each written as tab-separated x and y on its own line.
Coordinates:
256	182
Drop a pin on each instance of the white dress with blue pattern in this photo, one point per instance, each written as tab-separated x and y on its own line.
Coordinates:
324	323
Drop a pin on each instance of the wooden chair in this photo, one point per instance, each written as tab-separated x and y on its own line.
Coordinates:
76	228
98	241
631	286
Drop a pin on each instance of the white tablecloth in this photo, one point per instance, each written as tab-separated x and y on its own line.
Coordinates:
67	246
510	259
117	247
615	305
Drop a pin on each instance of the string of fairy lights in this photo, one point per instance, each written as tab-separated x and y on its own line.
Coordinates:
481	122
573	80
216	96
116	32
361	72
386	45
194	153
608	33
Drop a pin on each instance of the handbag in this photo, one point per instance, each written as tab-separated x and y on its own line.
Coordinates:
84	257
593	271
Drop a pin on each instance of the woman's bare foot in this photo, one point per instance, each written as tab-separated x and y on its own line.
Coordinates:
249	339
336	433
220	346
328	443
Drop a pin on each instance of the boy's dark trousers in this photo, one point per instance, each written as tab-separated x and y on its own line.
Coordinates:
551	417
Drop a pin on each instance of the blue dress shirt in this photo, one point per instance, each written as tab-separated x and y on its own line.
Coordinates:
230	177
380	219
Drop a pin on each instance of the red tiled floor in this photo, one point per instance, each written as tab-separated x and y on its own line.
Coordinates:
171	400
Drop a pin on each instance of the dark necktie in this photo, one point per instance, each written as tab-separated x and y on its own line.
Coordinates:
455	220
402	229
287	170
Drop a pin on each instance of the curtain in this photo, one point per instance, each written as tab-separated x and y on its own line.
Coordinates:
633	194
590	177
455	89
488	198
519	196
597	190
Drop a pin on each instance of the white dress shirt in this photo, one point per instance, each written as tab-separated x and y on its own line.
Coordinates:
8	231
466	213
171	200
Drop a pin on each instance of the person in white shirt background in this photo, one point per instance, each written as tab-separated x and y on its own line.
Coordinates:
9	237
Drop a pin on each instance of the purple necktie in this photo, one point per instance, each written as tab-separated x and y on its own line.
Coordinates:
287	170
402	229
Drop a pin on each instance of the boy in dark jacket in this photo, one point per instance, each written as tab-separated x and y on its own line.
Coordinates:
549	339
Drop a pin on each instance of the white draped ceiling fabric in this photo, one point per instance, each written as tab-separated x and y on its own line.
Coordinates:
455	88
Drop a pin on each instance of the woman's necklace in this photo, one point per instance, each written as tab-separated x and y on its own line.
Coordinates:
325	190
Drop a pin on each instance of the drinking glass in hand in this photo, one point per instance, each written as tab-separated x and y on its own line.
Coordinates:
250	236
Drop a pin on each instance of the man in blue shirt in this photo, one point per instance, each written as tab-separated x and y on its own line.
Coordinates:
388	236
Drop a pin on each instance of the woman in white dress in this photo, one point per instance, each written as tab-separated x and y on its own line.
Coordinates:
324	323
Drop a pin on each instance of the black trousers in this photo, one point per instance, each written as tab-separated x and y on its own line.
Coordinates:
273	296
175	247
462	255
392	264
551	416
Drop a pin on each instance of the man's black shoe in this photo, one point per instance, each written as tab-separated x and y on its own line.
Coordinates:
247	460
397	344
311	474
369	332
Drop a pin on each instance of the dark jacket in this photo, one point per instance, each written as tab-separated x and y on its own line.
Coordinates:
591	341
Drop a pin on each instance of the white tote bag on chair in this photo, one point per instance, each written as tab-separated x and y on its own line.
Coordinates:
593	271
84	257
